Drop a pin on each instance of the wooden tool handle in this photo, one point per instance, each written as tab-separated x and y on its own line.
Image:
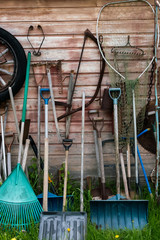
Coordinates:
124	175
45	180
24	160
65	181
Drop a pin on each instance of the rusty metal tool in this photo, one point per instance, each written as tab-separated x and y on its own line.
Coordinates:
10	138
91	114
69	101
53	104
98	123
31	28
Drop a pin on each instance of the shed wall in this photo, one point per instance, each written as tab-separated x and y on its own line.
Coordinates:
64	23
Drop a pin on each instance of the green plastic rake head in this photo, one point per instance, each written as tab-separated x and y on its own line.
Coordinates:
19	206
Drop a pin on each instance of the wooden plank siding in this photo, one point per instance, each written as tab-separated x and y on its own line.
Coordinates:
64	23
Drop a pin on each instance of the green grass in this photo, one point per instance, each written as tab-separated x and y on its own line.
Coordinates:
150	232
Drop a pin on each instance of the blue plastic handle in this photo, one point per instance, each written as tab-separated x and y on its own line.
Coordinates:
114	90
144	172
46	100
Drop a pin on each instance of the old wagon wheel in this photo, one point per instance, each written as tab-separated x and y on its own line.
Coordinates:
12	64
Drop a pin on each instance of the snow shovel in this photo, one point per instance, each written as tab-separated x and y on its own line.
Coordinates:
115	213
63	225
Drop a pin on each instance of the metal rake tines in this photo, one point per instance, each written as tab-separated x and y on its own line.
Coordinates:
122	51
128	49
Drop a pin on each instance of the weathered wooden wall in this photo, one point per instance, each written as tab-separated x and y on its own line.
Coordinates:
64	22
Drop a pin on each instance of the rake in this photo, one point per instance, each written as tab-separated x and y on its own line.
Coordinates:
19	206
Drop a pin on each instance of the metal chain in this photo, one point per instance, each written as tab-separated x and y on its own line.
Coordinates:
150	85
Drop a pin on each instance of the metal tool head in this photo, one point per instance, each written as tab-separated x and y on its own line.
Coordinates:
127	49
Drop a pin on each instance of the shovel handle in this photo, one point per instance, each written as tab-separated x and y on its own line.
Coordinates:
46	100
67	143
98	124
115	99
93	113
8	145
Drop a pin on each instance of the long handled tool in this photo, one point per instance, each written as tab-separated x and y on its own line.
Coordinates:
67	143
98	125
63	225
8	145
53	104
82	150
93	113
1	154
25	154
117	92
69	101
135	142
45	180
3	149
124	174
19	205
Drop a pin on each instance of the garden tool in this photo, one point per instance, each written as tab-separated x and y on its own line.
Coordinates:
2	147
82	150
115	94
8	145
14	113
19	205
128	167
91	114
25	154
69	101
135	142
45	180
98	123
156	43
67	143
66	225
34	147
124	174
53	103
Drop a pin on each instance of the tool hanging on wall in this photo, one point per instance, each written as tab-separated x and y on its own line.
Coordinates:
30	29
87	34
57	69
69	101
53	103
40	69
